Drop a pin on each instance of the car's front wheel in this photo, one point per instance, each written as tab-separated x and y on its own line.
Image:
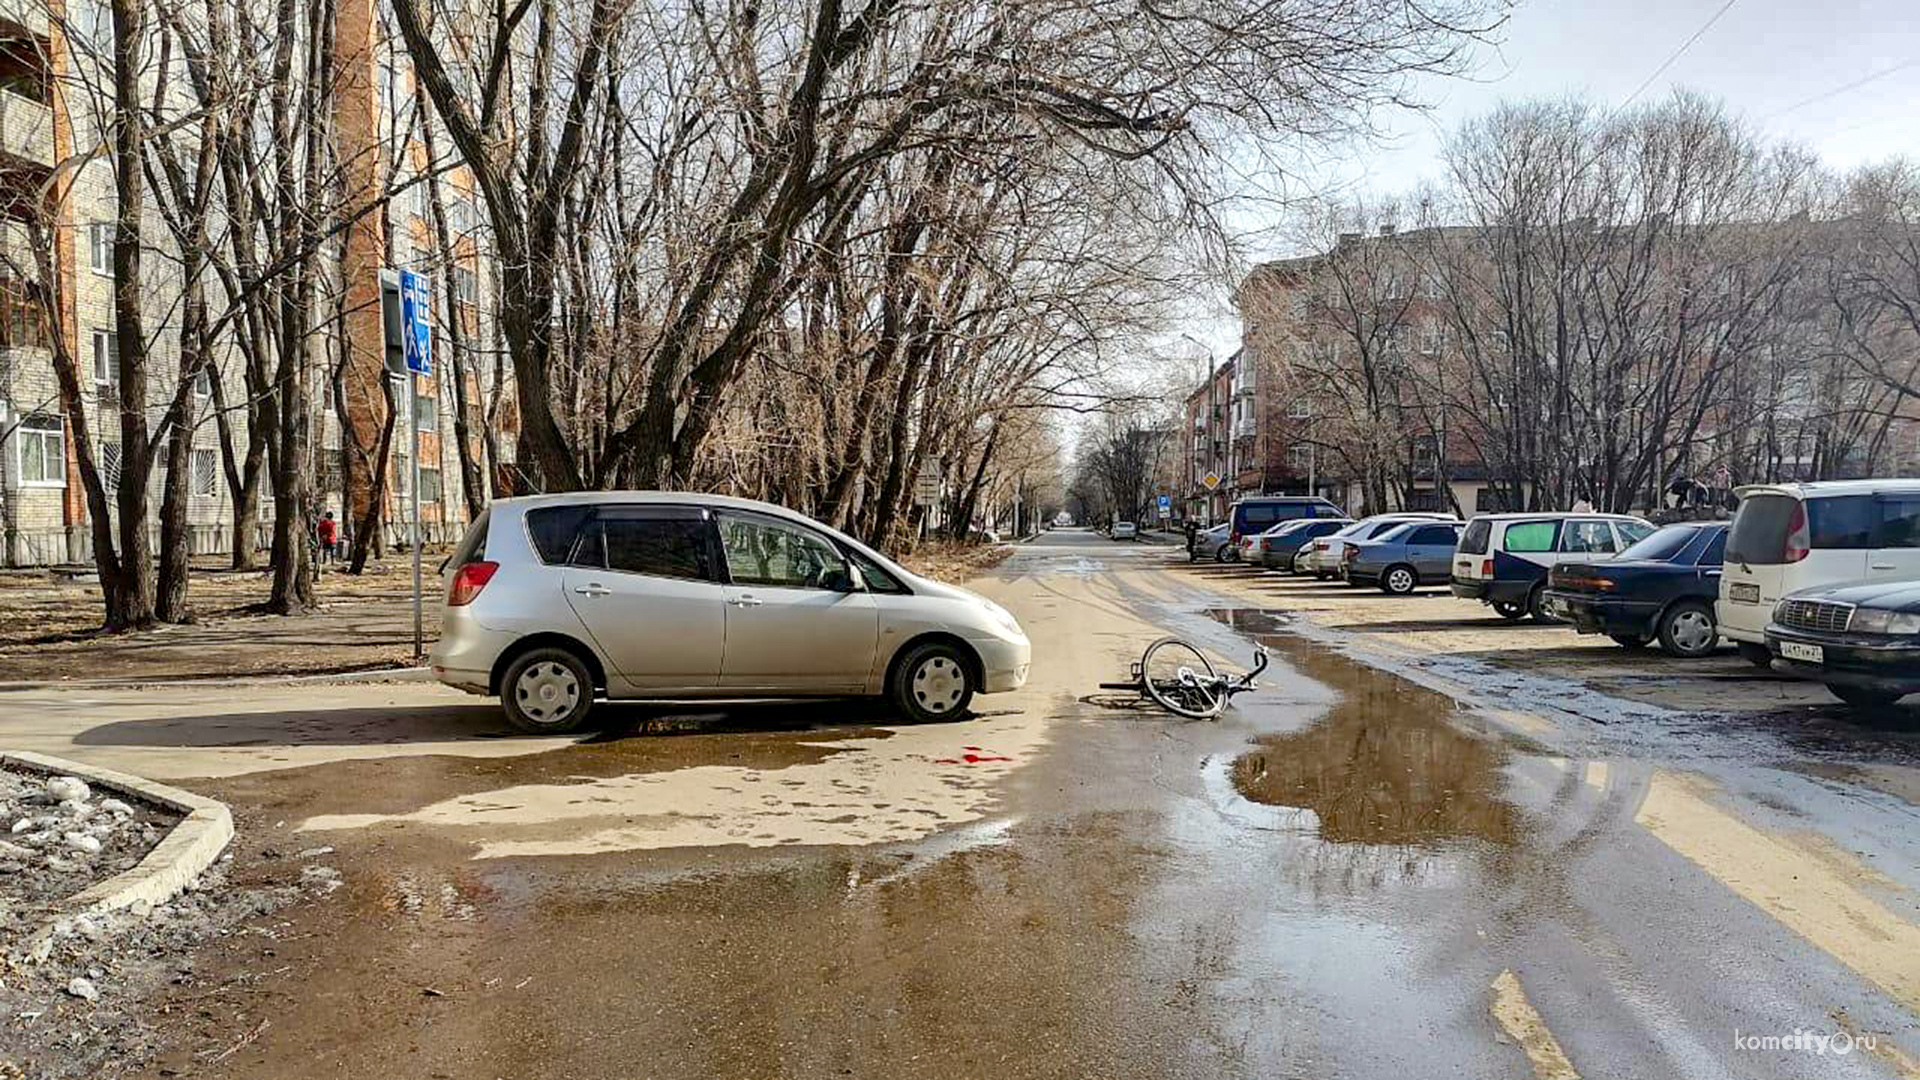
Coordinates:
1398	580
1863	697
1687	630
1629	641
547	692
932	682
1537	606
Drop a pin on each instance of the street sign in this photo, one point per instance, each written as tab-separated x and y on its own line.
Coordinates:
1210	481
416	319
1166	506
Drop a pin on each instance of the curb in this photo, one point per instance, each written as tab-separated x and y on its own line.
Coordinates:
178	858
325	678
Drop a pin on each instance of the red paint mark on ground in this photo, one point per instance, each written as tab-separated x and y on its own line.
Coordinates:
974	756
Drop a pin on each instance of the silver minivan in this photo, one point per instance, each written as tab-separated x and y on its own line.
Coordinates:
1788	537
669	595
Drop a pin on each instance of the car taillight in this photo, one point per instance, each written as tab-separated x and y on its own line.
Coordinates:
1348	554
468	581
1486	567
1799	545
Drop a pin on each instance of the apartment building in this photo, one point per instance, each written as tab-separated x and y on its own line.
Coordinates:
51	104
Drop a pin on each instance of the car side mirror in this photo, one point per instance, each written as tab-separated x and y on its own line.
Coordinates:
844	578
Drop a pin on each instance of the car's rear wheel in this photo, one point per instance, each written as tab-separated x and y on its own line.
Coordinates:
1757	655
933	682
1687	630
1537	605
547	691
1399	580
1864	697
1629	641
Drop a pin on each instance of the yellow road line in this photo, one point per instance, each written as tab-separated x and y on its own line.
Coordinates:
1806	892
1523	1023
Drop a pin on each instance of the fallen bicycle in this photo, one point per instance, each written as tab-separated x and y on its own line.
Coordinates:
1180	679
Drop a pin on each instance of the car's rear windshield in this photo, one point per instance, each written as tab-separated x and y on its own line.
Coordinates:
1259	516
1663	545
473	546
1475	540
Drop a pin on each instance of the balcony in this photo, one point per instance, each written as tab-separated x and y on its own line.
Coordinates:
26	129
24	15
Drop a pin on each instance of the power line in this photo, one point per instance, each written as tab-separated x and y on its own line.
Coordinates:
1684	46
1838	90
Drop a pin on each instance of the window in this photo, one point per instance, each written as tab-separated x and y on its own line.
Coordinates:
1474	541
1439	535
426	411
100	247
1300	459
1586	536
553	529
110	466
402	475
1532	536
1716	552
1632	532
1662	546
877	579
43	451
1433	338
23	319
204	475
466	287
662	542
203	382
1299	408
429	485
1899	522
106	365
764	552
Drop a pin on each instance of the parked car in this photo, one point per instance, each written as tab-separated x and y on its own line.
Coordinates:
1325	556
1660	589
1256	514
552	599
1862	639
1409	555
1280	544
1503	559
1791	537
1125	530
1213	543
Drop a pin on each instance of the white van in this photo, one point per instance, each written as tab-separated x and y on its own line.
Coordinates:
1788	537
1503	559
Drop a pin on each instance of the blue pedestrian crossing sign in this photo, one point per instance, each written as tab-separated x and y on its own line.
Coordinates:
1166	506
416	319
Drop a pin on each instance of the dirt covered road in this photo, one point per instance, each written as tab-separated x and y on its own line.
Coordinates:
1390	861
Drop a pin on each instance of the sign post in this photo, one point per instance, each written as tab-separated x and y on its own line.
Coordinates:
416	311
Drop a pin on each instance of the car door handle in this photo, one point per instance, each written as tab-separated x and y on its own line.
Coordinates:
744	601
1881	566
595	589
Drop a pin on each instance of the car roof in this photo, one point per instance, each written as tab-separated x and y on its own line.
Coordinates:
1817	489
1554	515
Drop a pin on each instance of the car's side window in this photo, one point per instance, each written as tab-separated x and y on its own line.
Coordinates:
764	552
674	545
1436	534
1716	553
877	579
553	529
1532	536
1632	532
1899	522
1588	536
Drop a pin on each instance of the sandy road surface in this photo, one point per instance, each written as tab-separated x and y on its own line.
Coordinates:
1379	865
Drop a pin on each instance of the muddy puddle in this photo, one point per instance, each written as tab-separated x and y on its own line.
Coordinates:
1384	766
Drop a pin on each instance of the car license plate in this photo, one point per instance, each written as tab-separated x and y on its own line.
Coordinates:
1794	650
1743	593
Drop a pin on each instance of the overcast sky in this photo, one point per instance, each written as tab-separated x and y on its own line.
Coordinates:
1791	66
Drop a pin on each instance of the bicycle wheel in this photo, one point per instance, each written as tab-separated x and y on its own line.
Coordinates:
1181	681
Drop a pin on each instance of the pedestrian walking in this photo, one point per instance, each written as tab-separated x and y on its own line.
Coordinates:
327	532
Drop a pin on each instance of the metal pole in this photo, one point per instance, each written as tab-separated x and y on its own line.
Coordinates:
413	465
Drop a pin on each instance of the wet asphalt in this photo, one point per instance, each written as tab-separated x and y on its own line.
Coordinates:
1336	879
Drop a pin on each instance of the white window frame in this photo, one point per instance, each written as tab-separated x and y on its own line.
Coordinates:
100	248
203	483
106	361
402	474
203	382
50	439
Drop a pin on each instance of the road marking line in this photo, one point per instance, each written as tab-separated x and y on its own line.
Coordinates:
1803	891
1523	1023
1597	775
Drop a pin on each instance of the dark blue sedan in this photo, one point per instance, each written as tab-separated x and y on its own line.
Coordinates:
1661	588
